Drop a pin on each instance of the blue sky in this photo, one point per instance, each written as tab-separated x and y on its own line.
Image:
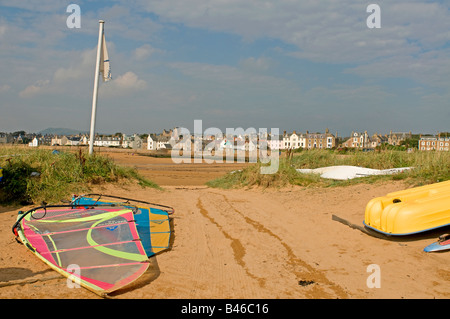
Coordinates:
293	65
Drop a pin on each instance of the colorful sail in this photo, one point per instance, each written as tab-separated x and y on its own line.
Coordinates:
153	224
100	242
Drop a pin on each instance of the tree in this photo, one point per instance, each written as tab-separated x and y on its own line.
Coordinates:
411	142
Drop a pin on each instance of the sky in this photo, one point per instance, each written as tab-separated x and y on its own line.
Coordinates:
302	65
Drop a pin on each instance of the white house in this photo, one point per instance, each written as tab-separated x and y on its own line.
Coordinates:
275	142
151	142
107	141
163	142
34	143
158	142
73	140
294	140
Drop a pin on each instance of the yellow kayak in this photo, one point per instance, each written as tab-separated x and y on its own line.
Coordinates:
410	211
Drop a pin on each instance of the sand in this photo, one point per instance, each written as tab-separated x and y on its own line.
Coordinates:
250	243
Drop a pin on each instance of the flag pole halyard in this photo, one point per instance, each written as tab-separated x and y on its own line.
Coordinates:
96	80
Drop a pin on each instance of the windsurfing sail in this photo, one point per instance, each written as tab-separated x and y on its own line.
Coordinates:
152	220
98	246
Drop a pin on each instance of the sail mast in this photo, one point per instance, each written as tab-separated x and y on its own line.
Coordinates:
96	80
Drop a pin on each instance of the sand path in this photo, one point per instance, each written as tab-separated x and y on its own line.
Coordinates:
254	243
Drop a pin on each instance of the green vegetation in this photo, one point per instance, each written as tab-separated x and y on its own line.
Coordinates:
36	175
429	167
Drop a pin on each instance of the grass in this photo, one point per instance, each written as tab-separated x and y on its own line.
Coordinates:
36	175
429	167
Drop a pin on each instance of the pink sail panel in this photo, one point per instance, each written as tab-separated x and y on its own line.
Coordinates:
103	244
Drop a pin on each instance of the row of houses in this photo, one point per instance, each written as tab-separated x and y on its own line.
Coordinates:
308	140
119	140
244	142
434	143
357	140
167	139
132	141
361	140
18	138
366	141
173	139
125	141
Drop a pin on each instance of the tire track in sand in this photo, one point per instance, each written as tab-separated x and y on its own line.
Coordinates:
307	272
236	246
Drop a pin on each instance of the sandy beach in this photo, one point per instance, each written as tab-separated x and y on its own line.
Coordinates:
249	243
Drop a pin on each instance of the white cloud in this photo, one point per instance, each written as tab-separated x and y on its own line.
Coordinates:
257	64
145	51
430	68
2	30
409	43
123	85
34	6
4	88
123	20
130	80
80	66
35	89
39	61
223	78
69	80
323	31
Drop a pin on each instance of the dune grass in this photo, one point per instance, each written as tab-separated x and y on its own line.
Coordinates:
36	175
429	167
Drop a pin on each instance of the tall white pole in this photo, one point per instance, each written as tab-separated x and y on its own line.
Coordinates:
95	94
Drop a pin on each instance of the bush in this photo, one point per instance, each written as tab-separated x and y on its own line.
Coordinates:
429	167
41	175
15	183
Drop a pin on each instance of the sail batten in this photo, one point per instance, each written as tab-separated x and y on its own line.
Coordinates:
108	243
91	240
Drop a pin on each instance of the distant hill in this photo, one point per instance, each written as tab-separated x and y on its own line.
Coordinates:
61	131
